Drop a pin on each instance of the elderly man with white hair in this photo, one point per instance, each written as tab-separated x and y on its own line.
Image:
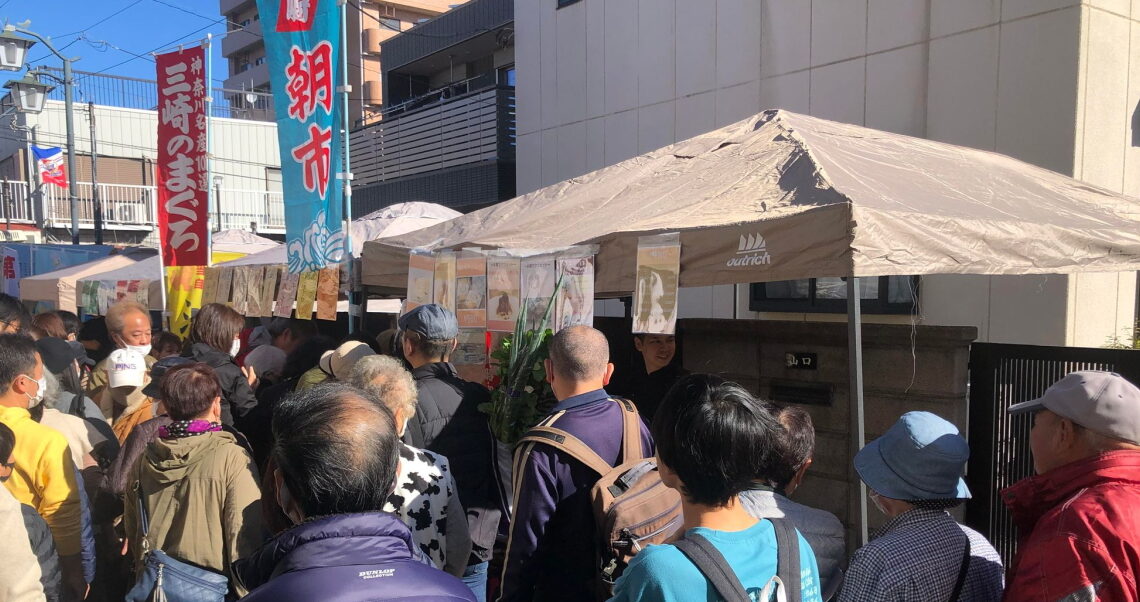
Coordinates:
425	497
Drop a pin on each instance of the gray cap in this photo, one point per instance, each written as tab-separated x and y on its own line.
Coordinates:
1102	402
430	321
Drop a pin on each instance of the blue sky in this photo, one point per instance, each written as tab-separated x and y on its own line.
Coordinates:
105	33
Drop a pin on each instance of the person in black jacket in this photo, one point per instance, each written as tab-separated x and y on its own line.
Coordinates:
214	341
448	422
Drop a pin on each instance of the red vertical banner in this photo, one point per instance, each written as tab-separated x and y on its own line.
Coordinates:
183	193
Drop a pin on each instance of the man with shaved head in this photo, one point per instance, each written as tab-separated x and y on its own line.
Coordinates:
550	553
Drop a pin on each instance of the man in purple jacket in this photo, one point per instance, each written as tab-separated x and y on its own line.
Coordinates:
337	454
551	551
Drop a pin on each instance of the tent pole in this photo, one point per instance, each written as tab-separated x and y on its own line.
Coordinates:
855	396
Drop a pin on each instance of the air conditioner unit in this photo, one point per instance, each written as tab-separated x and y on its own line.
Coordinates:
387	10
129	214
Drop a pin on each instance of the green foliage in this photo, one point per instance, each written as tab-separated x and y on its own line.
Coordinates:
520	395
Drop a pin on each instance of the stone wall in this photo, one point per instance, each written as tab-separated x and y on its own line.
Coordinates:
904	368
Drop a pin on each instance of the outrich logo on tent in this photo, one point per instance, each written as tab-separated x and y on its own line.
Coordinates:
753	250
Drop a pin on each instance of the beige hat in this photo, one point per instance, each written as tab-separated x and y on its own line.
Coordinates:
126	368
338	363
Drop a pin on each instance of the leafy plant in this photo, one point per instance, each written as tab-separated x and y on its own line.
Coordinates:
520	395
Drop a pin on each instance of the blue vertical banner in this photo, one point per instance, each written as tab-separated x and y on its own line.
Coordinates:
302	44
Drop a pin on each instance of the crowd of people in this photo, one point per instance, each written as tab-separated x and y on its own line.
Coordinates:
263	460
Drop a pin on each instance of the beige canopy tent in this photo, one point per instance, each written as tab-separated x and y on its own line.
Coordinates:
785	196
58	287
782	196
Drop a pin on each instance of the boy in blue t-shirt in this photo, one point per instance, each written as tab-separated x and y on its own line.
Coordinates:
713	441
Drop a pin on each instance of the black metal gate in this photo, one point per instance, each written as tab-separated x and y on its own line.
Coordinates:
1000	376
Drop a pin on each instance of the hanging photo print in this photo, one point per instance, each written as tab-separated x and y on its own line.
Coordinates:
655	291
471	291
576	299
537	288
444	293
502	293
421	275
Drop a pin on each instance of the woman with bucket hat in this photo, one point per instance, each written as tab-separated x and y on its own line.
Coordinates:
921	554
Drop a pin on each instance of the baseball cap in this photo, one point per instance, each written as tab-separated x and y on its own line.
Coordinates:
158	370
1103	402
432	321
339	362
921	457
125	368
57	354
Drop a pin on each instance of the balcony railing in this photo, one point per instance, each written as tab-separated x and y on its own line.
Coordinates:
133	207
474	127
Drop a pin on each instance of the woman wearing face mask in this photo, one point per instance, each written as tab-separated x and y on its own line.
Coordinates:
214	341
196	483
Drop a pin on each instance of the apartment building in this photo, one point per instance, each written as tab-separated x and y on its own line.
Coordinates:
368	26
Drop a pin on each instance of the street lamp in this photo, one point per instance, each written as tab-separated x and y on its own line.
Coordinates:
14	49
28	94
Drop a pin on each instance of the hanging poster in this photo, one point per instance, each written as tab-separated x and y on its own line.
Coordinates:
106	296
286	294
575	305
268	289
210	286
225	286
302	43
253	300
655	291
121	290
471	291
471	348
183	220
240	289
421	278
444	286
306	295
502	293
537	275
328	291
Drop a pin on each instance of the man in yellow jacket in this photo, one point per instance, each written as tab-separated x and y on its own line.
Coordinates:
43	476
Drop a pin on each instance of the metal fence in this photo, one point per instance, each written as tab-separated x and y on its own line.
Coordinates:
134	207
1000	376
137	93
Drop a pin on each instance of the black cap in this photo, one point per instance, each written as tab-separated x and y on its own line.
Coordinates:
432	321
56	354
158	370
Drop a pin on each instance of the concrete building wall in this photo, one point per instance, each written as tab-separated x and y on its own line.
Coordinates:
1045	81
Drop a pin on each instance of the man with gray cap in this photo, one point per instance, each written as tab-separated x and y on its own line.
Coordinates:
921	554
1078	517
448	422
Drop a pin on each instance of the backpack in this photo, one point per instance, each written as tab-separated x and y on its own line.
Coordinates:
714	566
632	507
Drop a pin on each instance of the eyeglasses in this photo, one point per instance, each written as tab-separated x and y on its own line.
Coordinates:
8	465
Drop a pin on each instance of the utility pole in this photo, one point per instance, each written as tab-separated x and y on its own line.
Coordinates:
95	201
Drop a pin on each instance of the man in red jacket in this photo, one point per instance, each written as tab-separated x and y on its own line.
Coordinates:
1079	516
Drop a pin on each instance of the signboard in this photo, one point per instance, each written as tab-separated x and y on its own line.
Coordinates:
304	54
183	200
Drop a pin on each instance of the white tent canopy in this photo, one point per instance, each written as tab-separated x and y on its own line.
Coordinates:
393	220
240	241
58	287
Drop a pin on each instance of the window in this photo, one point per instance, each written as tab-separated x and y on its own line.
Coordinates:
507	75
882	295
392	24
245	22
562	3
259	60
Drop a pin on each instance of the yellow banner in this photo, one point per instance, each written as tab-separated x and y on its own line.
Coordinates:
183	296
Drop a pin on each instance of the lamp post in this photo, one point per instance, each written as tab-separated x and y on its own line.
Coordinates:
13	52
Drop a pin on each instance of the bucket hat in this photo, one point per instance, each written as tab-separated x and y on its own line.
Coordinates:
921	457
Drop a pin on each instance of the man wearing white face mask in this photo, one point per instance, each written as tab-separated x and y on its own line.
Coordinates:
128	325
43	475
